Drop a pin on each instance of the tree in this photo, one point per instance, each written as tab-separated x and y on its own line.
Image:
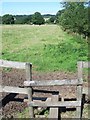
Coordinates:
0	20
75	17
52	19
58	14
8	19
37	19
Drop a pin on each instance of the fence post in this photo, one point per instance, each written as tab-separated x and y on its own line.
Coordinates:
29	78
79	89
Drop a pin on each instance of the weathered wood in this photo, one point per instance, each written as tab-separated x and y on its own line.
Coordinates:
51	83
86	64
79	88
80	71
29	78
56	104
12	64
54	112
79	98
10	89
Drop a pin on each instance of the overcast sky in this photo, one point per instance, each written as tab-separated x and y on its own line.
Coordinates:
26	8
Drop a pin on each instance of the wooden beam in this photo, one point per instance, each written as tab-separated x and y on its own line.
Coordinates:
10	89
55	104
12	64
28	67
51	82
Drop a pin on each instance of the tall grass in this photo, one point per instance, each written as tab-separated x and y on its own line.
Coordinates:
46	46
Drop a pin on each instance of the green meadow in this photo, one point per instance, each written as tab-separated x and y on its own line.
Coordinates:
47	47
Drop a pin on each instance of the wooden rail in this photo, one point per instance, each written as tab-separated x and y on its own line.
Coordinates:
55	104
10	89
52	83
12	64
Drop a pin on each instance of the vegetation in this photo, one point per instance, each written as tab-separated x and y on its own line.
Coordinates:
37	19
22	19
0	19
8	19
75	18
26	19
47	47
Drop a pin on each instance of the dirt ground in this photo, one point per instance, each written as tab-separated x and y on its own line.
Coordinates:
13	103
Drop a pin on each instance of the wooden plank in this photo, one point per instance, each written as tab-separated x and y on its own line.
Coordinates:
85	90
79	88
79	98
54	112
55	104
86	64
80	70
10	89
12	64
29	78
51	82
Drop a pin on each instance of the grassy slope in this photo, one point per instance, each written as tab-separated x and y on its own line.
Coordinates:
46	46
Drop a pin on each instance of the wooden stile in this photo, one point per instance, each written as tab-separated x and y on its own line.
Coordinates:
53	102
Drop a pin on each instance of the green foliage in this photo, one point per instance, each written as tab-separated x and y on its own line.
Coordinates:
37	19
75	18
22	19
58	14
65	54
52	19
0	20
8	19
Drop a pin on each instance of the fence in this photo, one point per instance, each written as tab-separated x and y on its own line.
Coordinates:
53	102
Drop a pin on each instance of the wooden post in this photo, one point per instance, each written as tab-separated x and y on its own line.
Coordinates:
54	112
29	78
79	89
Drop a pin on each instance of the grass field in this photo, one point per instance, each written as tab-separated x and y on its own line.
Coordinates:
47	47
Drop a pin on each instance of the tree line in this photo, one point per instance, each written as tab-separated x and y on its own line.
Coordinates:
35	18
73	17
